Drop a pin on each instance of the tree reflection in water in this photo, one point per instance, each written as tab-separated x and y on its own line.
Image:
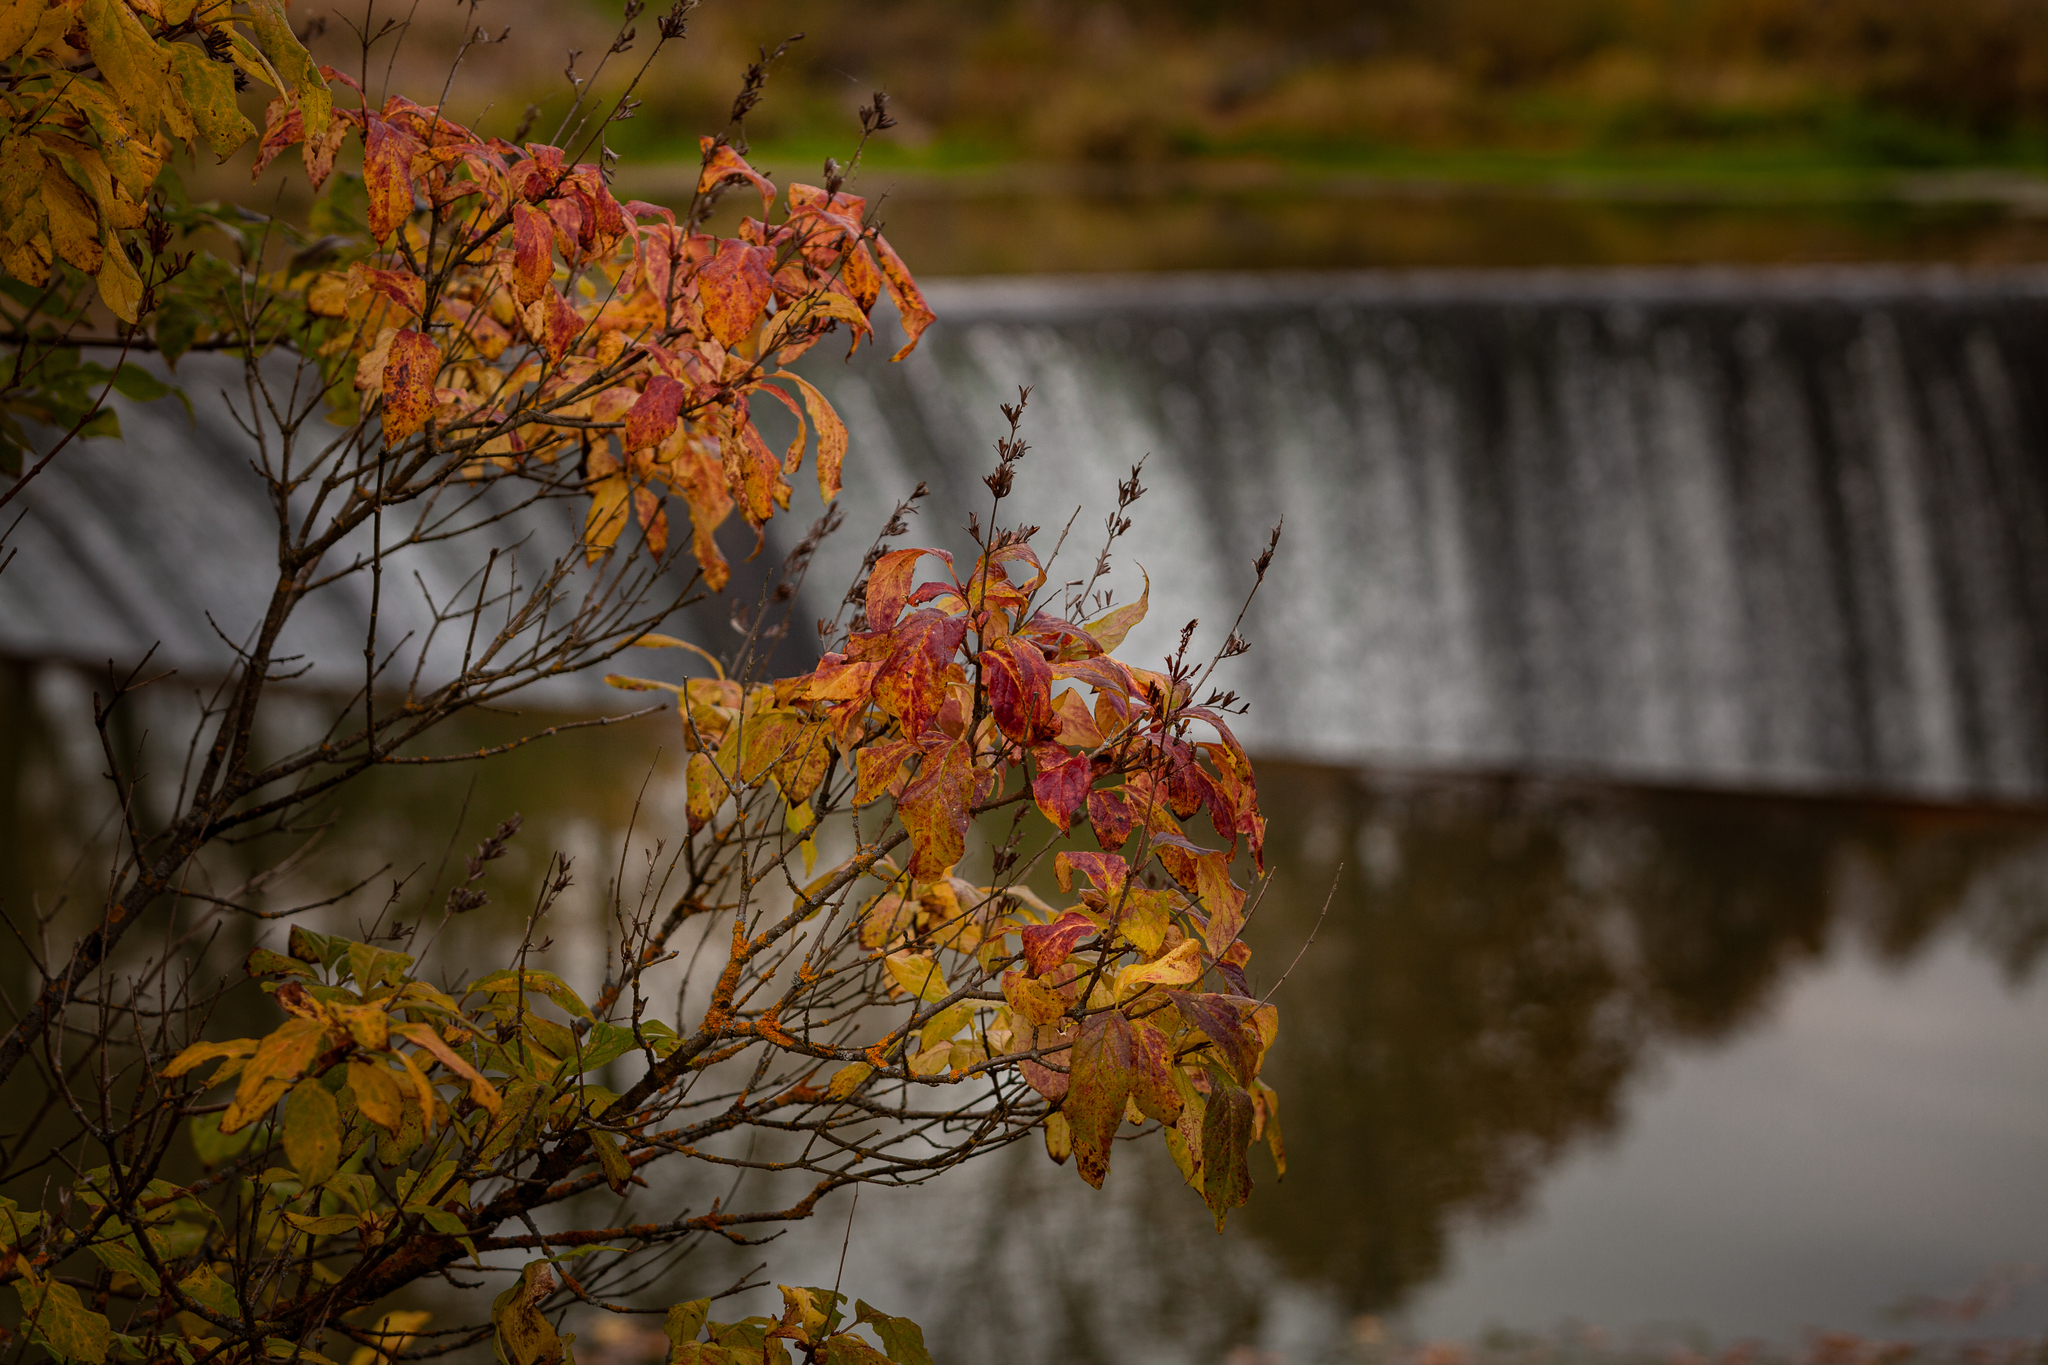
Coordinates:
1503	963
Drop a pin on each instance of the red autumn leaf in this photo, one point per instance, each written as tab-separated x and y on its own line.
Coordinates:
1098	1085
903	291
761	483
1226	1136
540	176
1152	1075
653	414
402	287
1019	684
1046	946
880	767
533	256
387	175
1224	1020
888	586
935	809
1108	871
1061	786
1111	817
723	164
911	684
1222	900
284	124
734	287
563	324
836	679
409	374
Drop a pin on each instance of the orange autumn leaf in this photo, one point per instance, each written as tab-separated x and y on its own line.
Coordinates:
410	368
723	164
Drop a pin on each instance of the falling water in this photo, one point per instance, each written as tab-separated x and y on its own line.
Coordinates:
1783	529
1786	529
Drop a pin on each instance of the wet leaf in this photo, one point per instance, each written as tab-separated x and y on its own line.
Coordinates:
618	1172
935	809
377	1094
684	1321
914	312
889	585
1110	628
533	252
1059	1137
1019	684
387	174
1178	968
722	164
918	975
848	1079
831	431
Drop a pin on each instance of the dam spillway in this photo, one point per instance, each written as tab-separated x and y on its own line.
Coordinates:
1781	529
1736	528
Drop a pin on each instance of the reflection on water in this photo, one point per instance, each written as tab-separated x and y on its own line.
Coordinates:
1516	982
1557	1049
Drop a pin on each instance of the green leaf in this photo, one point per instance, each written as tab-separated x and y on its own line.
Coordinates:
847	1349
16	1226
373	966
209	89
312	1132
521	1334
685	1320
128	59
62	1322
120	1254
618	1172
324	1224
902	1339
210	1292
134	382
307	946
511	982
263	962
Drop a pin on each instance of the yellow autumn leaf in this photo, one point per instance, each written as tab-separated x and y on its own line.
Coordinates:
917	975
1177	968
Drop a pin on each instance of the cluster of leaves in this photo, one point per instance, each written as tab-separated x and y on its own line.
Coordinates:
477	314
528	315
100	95
948	705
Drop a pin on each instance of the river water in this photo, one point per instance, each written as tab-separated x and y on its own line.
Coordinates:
1655	668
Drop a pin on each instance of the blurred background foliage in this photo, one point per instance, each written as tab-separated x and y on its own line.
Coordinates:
1854	82
1040	135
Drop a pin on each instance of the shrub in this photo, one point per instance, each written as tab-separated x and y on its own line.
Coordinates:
468	328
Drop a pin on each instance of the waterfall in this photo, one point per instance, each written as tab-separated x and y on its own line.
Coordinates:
1784	529
1739	528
